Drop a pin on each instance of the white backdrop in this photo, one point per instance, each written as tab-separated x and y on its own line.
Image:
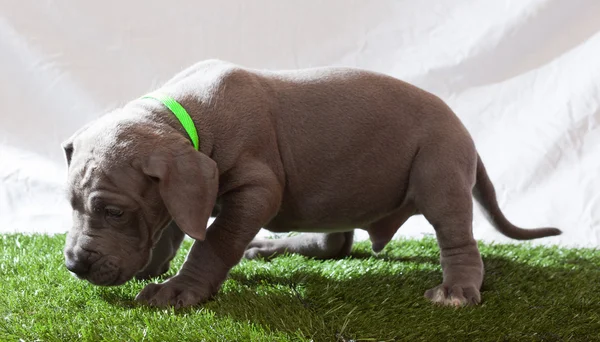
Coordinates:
524	76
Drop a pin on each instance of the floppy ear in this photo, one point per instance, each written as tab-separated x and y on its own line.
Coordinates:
68	148
67	145
188	184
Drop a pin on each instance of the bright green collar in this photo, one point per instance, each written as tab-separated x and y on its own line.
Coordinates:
180	113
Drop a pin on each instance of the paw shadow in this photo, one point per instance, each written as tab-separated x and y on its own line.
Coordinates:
117	297
124	296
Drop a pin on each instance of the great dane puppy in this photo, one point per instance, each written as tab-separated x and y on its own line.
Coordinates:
321	151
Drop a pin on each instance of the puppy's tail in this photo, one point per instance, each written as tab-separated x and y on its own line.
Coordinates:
485	194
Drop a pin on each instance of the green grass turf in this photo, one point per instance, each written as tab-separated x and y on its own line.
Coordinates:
529	294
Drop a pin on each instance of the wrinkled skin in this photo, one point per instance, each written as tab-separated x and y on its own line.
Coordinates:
321	151
112	247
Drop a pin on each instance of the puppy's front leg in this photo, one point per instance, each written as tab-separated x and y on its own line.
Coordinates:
164	251
244	211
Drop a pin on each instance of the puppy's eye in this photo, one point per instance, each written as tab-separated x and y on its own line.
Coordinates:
113	212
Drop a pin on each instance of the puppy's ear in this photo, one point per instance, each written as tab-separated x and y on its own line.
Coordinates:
68	148
67	145
188	184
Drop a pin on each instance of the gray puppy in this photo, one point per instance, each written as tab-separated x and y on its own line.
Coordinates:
321	151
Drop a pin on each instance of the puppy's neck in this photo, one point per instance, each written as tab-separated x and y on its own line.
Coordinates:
157	113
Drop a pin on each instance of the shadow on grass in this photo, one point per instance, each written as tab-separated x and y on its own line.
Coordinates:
520	301
118	296
115	298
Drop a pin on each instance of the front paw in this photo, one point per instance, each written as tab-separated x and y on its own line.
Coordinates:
172	293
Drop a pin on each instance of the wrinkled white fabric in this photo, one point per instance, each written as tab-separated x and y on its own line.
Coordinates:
523	76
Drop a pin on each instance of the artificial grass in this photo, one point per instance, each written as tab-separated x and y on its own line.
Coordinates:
529	294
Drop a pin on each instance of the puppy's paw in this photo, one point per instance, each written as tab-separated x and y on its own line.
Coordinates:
254	253
171	293
260	249
456	295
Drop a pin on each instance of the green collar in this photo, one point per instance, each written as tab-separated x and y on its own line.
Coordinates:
180	113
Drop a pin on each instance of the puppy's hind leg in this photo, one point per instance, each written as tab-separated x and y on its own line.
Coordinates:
442	193
315	245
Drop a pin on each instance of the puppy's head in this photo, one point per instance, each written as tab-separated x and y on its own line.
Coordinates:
127	179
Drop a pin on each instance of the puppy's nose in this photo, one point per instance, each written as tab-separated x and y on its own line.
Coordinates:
78	266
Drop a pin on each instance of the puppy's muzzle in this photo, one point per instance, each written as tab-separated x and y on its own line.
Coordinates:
97	270
78	261
78	267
